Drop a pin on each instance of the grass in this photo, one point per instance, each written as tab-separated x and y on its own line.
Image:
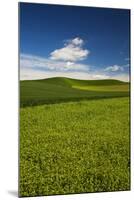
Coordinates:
56	90
107	88
72	147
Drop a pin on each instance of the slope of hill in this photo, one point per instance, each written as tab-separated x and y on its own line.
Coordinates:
55	90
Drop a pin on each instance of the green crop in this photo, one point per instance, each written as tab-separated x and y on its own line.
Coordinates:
74	147
56	90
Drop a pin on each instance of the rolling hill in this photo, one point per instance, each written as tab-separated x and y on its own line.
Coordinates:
55	90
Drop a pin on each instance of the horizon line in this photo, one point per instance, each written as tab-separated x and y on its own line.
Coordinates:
73	79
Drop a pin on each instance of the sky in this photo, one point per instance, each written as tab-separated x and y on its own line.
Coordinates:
72	41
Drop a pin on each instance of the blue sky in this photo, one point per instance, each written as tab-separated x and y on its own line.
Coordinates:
72	41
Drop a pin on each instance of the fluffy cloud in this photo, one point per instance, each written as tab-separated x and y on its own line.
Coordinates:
39	63
64	62
61	60
72	51
114	68
76	41
35	67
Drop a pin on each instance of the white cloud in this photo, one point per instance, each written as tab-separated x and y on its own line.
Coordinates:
72	51
70	63
113	68
64	63
34	67
100	76
36	62
77	41
31	74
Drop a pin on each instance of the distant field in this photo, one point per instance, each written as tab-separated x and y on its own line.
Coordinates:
74	147
55	90
106	88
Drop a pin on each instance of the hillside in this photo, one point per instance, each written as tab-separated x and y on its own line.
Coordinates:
55	90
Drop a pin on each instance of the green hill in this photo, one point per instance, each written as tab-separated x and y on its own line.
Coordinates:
70	82
55	90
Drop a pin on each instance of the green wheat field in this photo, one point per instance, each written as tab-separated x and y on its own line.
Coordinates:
74	136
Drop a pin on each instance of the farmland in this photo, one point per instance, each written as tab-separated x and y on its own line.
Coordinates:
74	140
56	90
